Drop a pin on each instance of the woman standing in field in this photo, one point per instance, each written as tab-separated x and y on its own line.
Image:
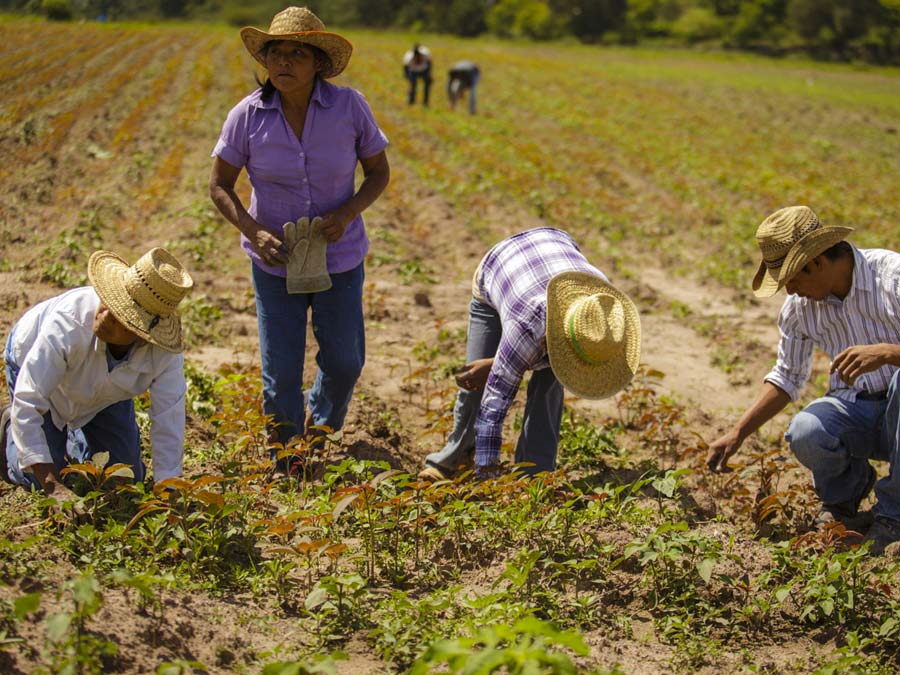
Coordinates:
300	138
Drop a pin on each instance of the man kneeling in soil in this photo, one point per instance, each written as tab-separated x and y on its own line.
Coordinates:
75	362
846	301
538	305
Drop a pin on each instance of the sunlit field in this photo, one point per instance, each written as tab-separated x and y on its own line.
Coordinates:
631	558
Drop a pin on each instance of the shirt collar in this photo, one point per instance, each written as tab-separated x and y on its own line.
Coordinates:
862	273
322	95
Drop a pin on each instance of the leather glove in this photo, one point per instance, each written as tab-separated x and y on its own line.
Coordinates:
306	268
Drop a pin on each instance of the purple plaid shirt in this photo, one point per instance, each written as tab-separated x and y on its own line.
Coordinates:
293	178
513	280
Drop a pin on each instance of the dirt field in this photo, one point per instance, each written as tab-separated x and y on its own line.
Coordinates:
108	143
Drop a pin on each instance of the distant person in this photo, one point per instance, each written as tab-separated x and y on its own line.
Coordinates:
417	66
537	305
463	77
75	362
845	301
300	139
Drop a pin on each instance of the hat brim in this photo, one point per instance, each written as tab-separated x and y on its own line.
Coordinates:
767	282
579	377
337	47
106	272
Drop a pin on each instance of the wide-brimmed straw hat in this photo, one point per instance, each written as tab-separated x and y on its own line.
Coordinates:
144	297
788	240
298	24
593	334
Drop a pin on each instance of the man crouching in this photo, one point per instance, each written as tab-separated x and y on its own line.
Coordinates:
75	362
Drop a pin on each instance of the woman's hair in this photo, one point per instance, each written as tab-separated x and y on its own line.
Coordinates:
323	62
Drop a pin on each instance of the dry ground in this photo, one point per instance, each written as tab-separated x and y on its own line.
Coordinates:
713	344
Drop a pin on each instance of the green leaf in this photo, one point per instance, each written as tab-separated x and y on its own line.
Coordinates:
316	598
705	568
100	459
666	485
782	593
58	626
26	604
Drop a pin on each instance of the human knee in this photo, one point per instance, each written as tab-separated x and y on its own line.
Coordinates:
809	438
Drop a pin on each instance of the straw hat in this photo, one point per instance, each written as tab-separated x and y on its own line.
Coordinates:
298	24
593	334
788	239
143	297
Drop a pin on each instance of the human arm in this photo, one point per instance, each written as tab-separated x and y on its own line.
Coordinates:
769	402
860	359
50	482
518	352
167	419
376	175
265	242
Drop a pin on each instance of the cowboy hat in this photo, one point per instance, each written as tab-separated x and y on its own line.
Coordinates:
144	297
298	24
593	334
788	239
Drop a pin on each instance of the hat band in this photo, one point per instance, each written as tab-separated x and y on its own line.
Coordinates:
775	264
570	333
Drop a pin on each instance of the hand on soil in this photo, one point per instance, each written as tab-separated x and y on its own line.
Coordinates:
719	453
64	501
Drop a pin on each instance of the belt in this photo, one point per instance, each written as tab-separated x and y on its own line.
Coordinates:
871	395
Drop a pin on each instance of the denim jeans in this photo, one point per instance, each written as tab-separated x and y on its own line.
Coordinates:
114	430
413	78
539	438
835	439
337	324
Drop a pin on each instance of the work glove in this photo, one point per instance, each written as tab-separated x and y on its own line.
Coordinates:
306	246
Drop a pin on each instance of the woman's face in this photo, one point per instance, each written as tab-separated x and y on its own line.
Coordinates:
291	65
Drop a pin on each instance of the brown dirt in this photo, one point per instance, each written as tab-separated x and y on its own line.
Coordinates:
390	416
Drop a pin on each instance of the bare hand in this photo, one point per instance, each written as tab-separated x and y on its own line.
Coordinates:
861	359
268	246
473	376
64	500
335	222
720	451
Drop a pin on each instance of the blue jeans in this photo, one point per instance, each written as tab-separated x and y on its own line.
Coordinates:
539	438
114	430
337	324
835	439
413	78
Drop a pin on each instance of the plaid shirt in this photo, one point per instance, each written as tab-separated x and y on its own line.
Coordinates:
870	314
513	279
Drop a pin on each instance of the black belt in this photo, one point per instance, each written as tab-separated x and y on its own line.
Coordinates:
871	395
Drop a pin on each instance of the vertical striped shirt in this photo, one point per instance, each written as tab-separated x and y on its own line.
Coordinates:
513	279
870	314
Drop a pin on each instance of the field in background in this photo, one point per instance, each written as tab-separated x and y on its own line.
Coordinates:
631	560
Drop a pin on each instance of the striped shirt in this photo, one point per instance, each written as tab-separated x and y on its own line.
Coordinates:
513	280
870	314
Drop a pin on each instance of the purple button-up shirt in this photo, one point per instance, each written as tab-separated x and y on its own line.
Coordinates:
293	178
513	279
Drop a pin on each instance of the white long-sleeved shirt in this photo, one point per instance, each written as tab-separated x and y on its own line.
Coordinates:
63	369
870	314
